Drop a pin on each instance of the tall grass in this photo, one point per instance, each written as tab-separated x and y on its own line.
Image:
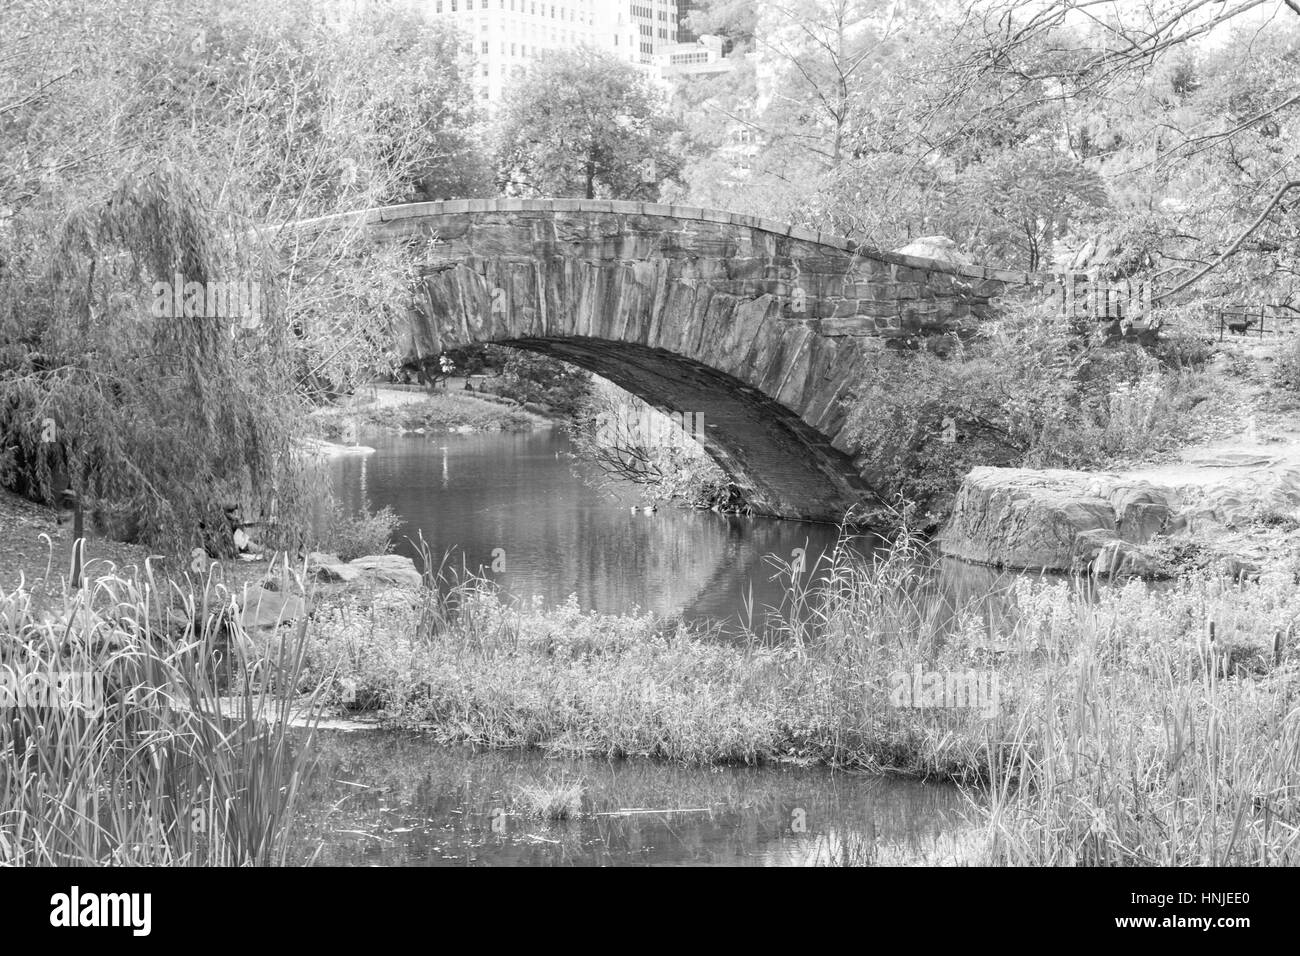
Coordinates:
467	666
552	800
1121	733
1156	741
1132	727
187	758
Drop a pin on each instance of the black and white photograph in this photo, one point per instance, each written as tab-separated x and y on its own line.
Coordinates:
650	433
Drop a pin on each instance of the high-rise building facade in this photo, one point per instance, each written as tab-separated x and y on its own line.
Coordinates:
506	35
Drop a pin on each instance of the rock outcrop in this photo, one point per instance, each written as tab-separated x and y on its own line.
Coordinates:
1052	520
263	608
379	570
1056	520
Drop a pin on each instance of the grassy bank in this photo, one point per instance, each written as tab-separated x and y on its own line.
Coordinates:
432	413
1121	728
1120	733
157	748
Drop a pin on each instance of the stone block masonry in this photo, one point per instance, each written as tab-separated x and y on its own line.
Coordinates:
761	327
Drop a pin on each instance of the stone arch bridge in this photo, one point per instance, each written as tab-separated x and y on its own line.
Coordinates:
761	328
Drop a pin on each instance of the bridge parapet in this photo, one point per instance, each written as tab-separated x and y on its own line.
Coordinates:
835	285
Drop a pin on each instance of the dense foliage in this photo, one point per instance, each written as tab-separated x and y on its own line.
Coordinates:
1145	141
586	125
143	146
540	380
148	141
1030	392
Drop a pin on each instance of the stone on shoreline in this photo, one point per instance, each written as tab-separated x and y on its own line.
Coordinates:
1059	520
262	608
1052	519
330	569
389	570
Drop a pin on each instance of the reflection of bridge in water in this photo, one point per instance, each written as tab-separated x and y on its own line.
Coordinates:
471	495
761	327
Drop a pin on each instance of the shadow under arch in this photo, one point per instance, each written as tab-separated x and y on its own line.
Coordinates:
782	467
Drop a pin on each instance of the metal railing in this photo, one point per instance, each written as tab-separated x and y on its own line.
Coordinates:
1258	320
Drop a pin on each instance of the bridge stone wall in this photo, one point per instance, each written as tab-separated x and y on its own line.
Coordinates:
762	328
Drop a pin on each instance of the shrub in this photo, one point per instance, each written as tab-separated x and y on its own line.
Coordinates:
631	441
923	421
1288	365
1184	348
560	800
354	534
448	411
1027	394
557	385
1132	410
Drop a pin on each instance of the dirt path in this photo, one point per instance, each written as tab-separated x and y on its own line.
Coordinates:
36	551
1242	465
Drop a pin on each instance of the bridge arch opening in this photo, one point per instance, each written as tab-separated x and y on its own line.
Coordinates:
780	465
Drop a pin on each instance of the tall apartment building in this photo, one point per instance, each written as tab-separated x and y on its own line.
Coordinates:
506	35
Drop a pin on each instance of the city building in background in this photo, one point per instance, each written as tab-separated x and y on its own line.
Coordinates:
505	36
703	57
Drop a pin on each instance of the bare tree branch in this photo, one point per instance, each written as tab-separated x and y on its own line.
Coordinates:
1233	249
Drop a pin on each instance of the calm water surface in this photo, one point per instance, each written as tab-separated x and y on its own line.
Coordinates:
520	499
395	800
388	800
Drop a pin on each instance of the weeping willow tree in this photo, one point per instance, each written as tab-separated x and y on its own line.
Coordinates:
156	417
274	116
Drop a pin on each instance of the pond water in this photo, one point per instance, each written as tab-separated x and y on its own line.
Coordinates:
517	501
395	800
520	503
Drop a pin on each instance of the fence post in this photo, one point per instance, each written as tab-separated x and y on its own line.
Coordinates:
78	536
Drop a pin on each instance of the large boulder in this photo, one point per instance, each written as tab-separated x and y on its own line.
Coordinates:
391	570
1050	520
263	608
330	569
376	570
939	248
1058	520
